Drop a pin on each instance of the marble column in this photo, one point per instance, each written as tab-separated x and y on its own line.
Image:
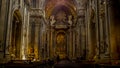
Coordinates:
27	35
9	30
36	38
48	42
110	17
54	33
90	30
39	40
74	42
78	41
41	48
87	17
97	29
45	44
80	36
70	43
24	38
68	46
51	43
103	26
107	40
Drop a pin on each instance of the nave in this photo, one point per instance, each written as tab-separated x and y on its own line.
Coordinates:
59	33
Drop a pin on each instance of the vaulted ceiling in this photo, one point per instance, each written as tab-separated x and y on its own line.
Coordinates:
55	7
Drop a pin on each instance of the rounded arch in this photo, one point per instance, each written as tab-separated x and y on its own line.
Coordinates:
15	35
16	10
50	5
9	27
60	8
17	14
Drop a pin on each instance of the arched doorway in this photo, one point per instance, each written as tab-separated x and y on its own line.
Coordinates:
62	16
61	44
16	35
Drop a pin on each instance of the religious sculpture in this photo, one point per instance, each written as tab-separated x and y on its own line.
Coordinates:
70	19
52	20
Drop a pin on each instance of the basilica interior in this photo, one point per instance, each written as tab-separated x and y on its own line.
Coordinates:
52	33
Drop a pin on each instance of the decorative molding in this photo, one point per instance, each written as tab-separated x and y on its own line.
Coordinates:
36	12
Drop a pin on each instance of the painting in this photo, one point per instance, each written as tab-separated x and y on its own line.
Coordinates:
61	45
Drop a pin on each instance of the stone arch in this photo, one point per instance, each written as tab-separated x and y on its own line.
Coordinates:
16	26
9	27
51	5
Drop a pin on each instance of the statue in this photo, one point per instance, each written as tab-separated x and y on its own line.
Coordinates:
70	19
52	20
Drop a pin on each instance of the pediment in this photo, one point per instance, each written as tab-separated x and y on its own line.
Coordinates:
60	25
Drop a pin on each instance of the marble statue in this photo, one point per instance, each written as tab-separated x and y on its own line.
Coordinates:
52	20
70	19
